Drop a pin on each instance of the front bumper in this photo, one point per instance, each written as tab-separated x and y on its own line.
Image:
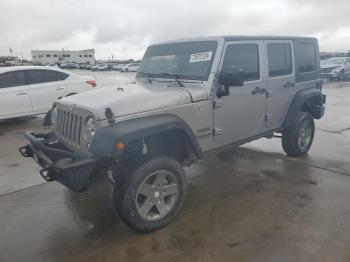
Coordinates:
58	162
330	75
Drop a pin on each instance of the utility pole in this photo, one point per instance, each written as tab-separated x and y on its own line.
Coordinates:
11	50
124	53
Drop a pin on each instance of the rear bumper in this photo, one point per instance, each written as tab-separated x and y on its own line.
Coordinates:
58	162
318	111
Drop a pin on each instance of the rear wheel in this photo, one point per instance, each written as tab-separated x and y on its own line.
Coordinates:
151	195
298	137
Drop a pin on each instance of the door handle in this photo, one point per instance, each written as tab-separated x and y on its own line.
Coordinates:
59	88
289	84
258	90
22	93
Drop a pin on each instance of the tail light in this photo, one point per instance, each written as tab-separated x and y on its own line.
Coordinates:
319	84
92	83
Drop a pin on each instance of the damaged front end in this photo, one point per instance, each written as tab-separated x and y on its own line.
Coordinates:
58	162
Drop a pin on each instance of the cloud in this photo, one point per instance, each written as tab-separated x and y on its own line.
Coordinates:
109	26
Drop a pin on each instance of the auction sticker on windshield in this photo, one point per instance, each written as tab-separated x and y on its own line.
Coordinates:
200	57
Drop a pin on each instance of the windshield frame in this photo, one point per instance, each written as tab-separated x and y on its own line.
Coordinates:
180	76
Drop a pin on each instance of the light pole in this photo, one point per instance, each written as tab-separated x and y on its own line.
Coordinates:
11	50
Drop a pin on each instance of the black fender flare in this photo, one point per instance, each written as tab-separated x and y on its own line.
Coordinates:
299	100
105	139
47	119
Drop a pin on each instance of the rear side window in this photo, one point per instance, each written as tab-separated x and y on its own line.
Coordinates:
279	59
10	79
242	59
306	57
43	76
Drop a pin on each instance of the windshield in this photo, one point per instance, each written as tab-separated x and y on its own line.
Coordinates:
333	61
189	60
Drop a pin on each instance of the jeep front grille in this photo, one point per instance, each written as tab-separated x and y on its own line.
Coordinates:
68	127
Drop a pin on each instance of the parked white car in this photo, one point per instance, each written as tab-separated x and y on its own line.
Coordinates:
118	67
336	68
132	67
100	67
31	90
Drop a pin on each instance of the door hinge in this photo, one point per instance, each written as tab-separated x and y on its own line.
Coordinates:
217	131
218	104
268	117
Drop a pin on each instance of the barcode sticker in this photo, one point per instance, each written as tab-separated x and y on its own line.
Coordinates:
200	57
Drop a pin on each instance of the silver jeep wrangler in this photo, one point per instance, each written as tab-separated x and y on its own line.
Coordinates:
190	97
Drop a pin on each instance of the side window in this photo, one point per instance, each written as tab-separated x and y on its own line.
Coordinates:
62	76
50	76
242	59
10	79
33	77
279	58
305	54
43	76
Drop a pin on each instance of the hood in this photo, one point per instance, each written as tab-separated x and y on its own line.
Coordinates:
329	66
132	98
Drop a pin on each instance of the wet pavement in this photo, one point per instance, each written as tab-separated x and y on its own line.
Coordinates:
248	204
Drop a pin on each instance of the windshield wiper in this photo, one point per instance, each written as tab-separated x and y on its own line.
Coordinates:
148	75
175	76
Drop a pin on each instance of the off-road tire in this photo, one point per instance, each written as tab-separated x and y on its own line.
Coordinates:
291	135
126	190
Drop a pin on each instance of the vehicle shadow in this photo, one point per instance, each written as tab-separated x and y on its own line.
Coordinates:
20	123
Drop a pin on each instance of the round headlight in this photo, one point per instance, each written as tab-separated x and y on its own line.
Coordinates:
54	115
90	129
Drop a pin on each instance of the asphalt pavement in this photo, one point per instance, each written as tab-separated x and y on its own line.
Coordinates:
248	204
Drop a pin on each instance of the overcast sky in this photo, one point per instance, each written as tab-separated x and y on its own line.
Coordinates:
108	25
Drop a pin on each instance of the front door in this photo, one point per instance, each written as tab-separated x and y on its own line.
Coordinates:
14	95
280	81
241	114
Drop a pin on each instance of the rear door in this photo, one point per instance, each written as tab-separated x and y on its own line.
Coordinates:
14	95
280	81
240	114
45	86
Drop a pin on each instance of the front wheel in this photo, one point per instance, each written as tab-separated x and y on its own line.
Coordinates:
152	195
298	137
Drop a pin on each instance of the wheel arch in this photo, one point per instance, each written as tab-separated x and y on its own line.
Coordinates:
308	100
70	94
156	130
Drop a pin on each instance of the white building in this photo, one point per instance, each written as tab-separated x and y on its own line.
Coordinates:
46	57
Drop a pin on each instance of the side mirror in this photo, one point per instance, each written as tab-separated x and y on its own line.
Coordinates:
226	80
